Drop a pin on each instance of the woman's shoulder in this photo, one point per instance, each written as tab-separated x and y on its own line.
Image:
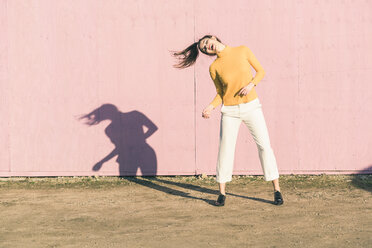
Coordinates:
212	67
243	47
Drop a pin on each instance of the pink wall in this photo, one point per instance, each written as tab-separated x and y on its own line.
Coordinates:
62	59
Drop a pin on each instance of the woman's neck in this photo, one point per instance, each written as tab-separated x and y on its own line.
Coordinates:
220	47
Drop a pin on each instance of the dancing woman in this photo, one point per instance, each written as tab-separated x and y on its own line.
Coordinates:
235	86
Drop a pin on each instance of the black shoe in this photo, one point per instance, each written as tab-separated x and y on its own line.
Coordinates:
278	199
220	201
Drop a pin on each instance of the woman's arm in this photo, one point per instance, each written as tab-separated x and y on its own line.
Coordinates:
218	98
260	73
219	88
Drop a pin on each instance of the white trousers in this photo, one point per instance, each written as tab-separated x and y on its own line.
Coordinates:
251	114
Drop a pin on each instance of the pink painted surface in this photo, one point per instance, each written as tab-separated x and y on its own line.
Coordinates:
4	96
62	59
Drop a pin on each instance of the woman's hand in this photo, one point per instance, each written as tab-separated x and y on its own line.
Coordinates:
207	111
245	90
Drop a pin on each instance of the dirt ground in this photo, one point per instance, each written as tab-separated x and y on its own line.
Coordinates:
318	211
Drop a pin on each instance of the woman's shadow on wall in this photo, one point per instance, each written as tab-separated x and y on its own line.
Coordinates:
126	132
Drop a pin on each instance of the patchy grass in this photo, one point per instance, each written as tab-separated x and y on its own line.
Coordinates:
286	181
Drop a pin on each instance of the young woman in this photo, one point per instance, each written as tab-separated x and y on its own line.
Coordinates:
235	85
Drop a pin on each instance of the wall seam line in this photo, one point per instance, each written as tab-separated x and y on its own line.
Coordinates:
195	164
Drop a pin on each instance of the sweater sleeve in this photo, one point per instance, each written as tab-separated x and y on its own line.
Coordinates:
260	73
218	98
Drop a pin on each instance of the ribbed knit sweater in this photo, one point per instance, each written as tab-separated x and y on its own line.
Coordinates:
231	71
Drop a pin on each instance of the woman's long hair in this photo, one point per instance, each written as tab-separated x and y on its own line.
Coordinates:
188	56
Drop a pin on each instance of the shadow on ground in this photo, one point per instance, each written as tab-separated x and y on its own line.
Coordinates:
364	179
150	183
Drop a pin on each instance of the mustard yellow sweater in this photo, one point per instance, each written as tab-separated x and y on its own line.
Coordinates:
231	71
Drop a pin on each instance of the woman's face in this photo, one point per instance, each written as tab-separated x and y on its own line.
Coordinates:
209	45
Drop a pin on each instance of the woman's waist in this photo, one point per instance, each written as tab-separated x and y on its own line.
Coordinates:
231	100
240	102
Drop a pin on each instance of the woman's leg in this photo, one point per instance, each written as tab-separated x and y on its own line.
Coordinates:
276	184
255	121
228	134
222	187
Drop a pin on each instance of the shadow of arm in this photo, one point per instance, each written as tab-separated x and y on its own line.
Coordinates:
99	164
152	128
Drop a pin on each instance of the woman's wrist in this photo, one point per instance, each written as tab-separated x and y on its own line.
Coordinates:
210	106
